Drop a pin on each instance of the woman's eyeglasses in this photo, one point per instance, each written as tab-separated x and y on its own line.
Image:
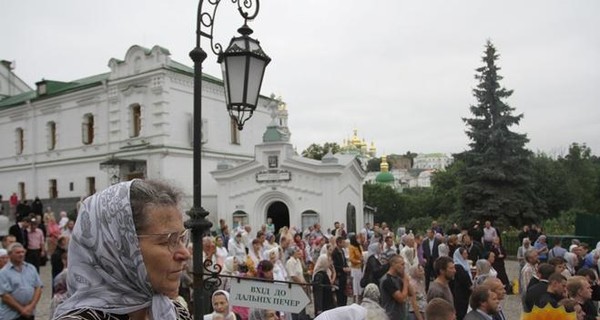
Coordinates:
174	239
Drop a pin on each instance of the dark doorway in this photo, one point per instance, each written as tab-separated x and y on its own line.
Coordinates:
280	214
350	218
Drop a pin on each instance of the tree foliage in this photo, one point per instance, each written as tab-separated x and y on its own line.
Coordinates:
387	201
496	178
583	178
317	151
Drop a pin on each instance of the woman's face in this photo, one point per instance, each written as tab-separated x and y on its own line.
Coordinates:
220	303
420	273
492	257
269	275
219	242
465	254
270	315
163	264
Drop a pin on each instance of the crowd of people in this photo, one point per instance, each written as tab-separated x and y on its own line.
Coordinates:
35	239
464	267
129	254
558	276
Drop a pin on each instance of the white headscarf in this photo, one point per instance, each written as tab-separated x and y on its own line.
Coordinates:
230	314
458	259
106	268
322	264
351	312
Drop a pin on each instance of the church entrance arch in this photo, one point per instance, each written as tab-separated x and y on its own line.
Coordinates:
279	214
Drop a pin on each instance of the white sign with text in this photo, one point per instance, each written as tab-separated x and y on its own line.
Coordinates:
270	296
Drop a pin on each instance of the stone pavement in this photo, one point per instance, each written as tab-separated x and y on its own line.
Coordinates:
43	308
511	306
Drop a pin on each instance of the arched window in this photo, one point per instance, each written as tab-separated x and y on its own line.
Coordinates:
20	140
240	219
309	218
136	120
87	129
51	128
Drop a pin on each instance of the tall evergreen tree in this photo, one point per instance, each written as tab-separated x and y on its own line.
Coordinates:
496	175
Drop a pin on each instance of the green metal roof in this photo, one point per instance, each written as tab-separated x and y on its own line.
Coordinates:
54	88
384	177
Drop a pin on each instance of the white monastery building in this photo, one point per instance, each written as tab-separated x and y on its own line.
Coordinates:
290	189
66	140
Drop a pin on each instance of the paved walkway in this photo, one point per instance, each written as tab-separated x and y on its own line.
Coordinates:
43	307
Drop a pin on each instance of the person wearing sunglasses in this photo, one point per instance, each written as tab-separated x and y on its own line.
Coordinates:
126	255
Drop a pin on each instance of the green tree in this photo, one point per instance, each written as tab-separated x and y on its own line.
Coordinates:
373	165
497	173
582	178
316	151
387	201
549	181
446	187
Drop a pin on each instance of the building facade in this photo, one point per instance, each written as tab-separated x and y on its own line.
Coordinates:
290	189
66	140
10	83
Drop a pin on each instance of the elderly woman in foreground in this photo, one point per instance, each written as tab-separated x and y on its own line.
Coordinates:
126	255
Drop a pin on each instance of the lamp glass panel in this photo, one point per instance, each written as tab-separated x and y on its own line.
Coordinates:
255	76
236	70
225	84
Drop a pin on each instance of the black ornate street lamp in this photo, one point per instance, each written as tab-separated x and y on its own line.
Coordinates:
243	64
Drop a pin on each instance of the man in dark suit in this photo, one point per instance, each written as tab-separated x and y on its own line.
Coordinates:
535	291
556	291
19	230
341	269
484	304
475	248
430	254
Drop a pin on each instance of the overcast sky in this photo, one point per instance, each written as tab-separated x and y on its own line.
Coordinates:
401	72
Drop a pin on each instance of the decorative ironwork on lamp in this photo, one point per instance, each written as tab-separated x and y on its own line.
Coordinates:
243	64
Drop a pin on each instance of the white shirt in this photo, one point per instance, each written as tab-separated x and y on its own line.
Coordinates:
294	268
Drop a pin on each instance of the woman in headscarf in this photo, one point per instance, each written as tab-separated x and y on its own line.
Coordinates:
230	268
462	284
416	308
482	268
126	254
571	265
222	308
322	294
526	244
370	301
221	251
351	312
374	270
279	272
356	264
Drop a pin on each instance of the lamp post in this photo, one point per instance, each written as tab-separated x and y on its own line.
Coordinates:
243	64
